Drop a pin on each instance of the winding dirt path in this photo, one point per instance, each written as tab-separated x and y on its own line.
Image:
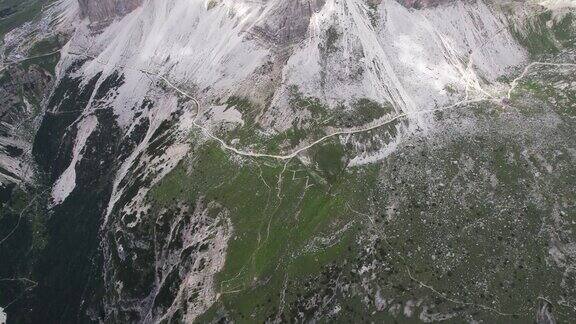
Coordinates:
356	130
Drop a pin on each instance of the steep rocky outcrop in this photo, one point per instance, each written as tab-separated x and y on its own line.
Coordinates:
423	3
21	91
102	12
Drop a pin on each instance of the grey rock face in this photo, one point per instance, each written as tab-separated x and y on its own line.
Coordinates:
101	12
21	89
287	22
422	3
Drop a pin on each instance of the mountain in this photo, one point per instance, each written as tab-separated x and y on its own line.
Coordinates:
287	161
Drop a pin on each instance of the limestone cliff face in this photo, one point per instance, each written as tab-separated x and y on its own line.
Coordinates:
101	12
422	3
